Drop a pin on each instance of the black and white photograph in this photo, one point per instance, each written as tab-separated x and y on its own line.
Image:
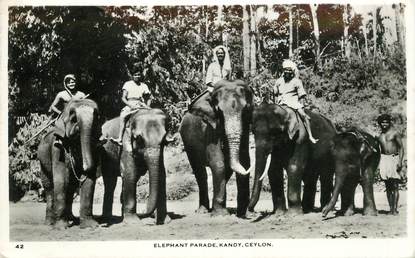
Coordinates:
191	128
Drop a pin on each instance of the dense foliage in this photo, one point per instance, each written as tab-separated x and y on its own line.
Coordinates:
173	45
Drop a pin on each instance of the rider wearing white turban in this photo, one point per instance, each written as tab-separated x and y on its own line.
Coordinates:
220	68
289	91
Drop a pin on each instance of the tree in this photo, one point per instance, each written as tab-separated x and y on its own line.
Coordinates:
245	39
253	48
400	23
346	22
316	34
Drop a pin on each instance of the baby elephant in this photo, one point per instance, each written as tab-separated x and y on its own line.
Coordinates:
356	155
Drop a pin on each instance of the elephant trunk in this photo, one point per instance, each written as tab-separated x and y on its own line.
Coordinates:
153	160
233	131
339	182
88	161
259	170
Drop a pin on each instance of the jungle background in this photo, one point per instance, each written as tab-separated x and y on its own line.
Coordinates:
351	61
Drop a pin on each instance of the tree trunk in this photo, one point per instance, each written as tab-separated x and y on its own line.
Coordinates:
365	37
374	26
399	20
346	18
290	41
316	30
253	41
245	38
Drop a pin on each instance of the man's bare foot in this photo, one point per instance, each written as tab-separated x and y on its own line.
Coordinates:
313	140
116	141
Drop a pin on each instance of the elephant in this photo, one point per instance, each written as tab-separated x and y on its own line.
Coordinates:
215	133
68	159
142	149
281	142
356	157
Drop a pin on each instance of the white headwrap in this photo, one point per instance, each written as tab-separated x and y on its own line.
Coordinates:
226	60
290	64
67	77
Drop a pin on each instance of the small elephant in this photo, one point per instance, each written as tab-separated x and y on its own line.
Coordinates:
281	142
356	155
142	150
215	133
67	156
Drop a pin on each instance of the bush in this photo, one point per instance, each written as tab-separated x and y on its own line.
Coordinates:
24	168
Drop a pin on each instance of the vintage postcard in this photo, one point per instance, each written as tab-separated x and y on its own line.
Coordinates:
207	129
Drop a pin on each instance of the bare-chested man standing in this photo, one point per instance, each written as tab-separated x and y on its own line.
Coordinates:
390	165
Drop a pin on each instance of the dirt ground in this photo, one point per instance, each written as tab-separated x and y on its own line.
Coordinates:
26	223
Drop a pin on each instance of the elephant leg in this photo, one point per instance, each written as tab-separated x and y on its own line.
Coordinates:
47	185
369	206
310	188
217	164
129	189
110	182
276	181
87	199
60	183
161	211
242	181
50	218
347	196
326	186
72	185
197	163
295	171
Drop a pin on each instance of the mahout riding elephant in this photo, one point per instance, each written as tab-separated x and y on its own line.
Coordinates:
142	149
356	156
68	159
281	142
215	133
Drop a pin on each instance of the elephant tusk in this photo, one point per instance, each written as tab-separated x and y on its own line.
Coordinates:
267	164
251	168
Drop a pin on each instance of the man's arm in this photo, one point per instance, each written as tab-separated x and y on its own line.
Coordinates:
124	98
209	78
54	103
301	92
398	140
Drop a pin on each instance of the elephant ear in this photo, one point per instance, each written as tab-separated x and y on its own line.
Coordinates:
292	124
203	107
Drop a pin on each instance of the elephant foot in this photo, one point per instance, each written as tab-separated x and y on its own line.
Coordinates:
349	212
202	210
251	214
395	212
220	212
294	211
88	223
61	224
49	220
325	211
279	212
370	212
132	219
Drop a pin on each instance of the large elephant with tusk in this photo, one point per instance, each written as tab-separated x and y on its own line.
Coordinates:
215	133
68	159
281	142
142	150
